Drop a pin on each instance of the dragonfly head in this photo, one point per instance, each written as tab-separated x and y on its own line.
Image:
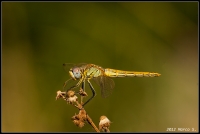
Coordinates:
75	73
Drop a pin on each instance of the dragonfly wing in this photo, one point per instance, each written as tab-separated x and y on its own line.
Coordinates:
106	84
67	66
68	84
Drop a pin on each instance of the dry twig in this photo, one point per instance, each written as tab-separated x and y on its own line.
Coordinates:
82	117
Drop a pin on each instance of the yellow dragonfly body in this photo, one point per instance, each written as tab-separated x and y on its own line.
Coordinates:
85	72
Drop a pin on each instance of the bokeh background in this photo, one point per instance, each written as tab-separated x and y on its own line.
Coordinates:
38	37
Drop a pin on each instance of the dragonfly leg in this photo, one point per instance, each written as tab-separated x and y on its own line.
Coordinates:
83	86
66	83
83	90
93	93
75	86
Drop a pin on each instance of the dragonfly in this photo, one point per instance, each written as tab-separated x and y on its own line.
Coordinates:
85	72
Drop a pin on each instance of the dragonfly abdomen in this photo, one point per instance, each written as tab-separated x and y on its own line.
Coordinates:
120	73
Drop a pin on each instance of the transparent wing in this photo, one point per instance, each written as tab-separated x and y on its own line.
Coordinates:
67	66
106	84
68	84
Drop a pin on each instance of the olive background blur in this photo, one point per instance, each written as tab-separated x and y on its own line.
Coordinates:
38	37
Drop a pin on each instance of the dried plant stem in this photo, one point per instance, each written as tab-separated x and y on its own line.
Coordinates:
92	124
89	120
82	116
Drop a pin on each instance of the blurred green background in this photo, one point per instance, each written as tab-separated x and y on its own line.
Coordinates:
38	37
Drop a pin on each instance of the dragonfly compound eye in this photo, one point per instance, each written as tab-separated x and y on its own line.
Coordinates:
77	73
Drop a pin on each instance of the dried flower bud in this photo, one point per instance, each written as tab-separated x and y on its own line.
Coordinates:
70	93
70	100
82	93
80	118
60	94
82	115
75	117
79	123
104	124
70	97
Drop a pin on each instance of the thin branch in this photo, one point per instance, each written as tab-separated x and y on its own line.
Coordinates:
79	119
92	124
